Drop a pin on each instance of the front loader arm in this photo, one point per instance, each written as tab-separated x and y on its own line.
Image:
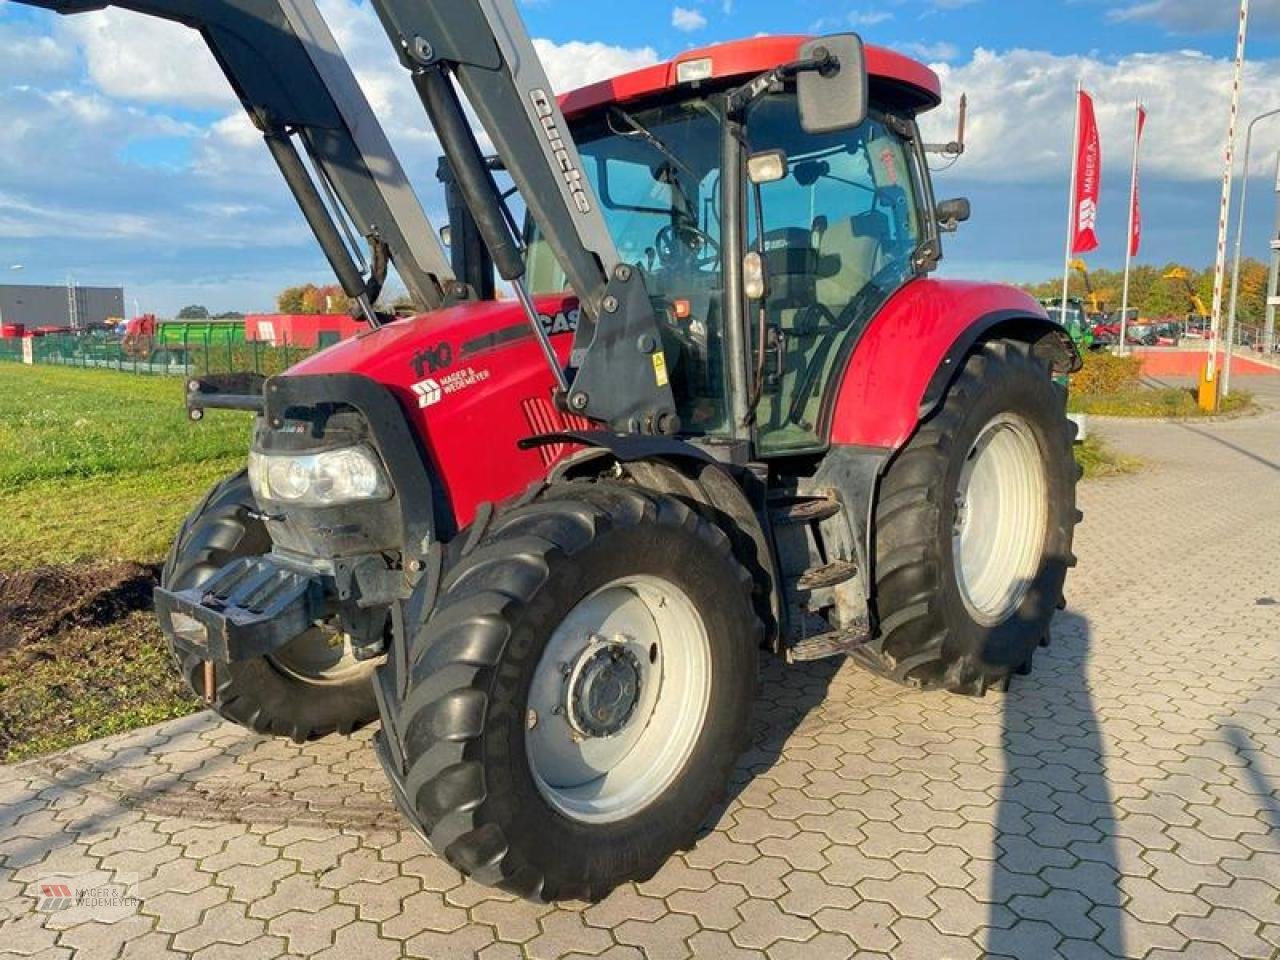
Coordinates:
293	81
620	377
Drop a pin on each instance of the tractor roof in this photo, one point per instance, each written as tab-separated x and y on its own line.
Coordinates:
894	78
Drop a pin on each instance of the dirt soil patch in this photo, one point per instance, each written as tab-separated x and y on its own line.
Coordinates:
37	604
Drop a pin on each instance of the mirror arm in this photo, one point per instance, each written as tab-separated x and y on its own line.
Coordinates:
741	99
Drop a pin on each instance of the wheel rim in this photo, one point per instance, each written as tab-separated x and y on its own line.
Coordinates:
618	699
1002	513
320	657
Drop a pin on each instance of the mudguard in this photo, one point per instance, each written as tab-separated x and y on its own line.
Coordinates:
914	347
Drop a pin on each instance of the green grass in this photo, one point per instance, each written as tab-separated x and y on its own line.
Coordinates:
57	423
1099	460
86	684
96	465
1172	402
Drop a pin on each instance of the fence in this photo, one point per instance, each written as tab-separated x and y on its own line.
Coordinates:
186	354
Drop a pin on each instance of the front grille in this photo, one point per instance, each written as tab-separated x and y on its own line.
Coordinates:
544	418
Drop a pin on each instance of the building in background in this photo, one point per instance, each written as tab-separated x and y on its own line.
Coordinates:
68	307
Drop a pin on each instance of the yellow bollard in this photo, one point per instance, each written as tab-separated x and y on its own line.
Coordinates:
1207	396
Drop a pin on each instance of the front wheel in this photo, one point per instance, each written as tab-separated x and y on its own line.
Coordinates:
311	687
974	526
576	701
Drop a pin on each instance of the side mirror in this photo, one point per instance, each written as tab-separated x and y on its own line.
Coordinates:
952	213
834	97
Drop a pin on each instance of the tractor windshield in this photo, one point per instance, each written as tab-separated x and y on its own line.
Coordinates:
657	174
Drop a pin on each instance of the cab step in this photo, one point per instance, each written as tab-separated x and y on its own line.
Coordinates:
815	578
837	643
795	509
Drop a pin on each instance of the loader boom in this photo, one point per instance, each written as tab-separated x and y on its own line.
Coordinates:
619	372
291	77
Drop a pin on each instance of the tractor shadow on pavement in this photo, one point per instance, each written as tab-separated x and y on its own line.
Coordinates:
1254	756
1056	865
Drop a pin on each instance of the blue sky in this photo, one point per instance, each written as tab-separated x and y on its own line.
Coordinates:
125	159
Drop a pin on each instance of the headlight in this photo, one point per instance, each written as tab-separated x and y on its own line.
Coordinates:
319	479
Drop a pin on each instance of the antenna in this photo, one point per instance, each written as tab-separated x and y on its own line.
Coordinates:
956	147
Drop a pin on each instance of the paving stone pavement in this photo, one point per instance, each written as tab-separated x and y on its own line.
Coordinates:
1124	800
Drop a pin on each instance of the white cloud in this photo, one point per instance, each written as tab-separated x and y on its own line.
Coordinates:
575	64
683	18
940	52
1198	16
28	54
1021	106
144	59
868	18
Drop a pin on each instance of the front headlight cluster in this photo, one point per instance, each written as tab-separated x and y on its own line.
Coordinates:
323	479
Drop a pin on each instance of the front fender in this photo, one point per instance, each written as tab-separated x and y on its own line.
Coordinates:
913	348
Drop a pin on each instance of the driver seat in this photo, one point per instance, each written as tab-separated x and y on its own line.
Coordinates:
851	252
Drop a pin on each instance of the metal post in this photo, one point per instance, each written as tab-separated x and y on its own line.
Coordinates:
1209	391
1235	269
1273	285
1128	243
1071	205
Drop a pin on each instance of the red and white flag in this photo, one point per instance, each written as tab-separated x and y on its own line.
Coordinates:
1084	229
1135	236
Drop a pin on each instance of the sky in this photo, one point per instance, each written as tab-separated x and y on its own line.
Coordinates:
125	159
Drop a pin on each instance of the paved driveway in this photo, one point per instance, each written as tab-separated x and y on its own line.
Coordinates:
1122	801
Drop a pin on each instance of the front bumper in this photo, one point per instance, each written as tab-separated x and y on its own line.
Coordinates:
250	608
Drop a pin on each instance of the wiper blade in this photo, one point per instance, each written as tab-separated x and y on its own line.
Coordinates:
649	137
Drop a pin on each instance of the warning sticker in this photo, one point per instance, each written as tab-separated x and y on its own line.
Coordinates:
660	368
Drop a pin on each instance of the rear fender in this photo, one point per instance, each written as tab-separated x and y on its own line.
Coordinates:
917	344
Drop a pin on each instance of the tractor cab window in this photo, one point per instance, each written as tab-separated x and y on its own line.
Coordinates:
657	174
840	235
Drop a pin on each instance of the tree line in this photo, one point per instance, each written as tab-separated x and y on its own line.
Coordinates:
1157	297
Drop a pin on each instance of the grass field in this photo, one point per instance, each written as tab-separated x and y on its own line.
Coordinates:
1155	402
101	466
96	468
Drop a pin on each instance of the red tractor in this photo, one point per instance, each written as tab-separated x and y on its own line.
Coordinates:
729	412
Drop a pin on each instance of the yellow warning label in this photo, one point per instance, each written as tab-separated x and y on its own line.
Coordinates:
660	368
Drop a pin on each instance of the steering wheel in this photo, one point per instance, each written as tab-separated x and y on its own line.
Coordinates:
675	243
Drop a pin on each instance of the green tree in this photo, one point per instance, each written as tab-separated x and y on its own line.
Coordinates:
193	312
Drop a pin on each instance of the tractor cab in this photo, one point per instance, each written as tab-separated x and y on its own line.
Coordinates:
821	225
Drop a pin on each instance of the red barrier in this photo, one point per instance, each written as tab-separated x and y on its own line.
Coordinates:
1189	363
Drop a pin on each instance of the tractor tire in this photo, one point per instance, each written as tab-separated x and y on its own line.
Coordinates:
302	691
598	628
974	526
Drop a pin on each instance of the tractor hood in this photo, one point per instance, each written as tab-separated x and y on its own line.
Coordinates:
473	383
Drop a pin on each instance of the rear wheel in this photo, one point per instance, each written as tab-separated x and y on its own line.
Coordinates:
313	686
575	702
974	526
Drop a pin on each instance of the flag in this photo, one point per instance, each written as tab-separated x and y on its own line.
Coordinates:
1135	238
1084	236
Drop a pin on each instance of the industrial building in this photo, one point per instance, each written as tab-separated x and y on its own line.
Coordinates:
69	306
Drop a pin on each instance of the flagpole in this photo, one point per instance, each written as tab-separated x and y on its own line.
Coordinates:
1128	243
1071	203
1209	387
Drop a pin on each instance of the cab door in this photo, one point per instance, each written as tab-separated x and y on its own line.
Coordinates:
841	233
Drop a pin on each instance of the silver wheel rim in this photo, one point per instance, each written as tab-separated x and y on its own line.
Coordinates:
1002	511
618	700
321	657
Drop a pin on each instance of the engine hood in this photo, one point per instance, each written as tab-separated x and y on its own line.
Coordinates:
472	382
